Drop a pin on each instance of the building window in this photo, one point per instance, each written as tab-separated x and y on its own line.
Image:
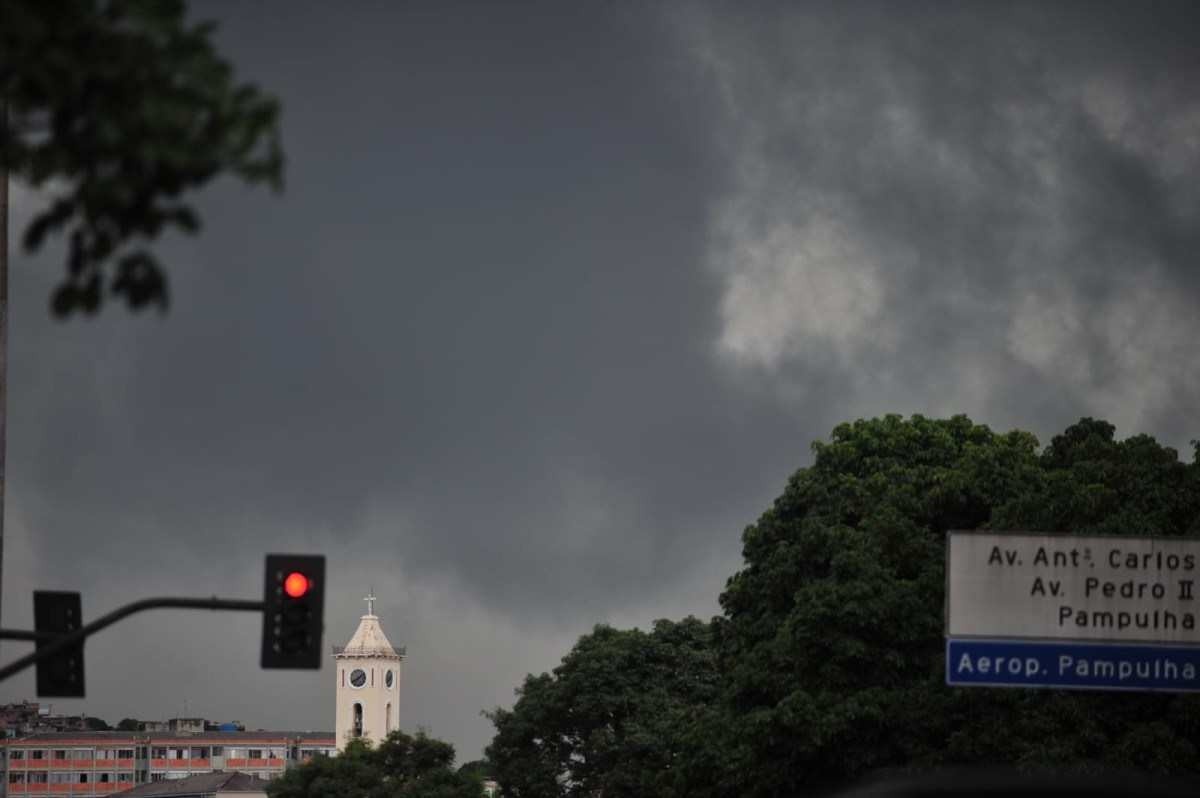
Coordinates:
83	778
16	753
105	753
127	753
158	753
59	753
358	720
62	778
199	752
82	754
38	778
218	750
16	778
37	754
124	778
104	778
141	752
387	720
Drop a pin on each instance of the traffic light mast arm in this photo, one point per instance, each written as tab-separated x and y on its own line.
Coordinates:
24	634
62	642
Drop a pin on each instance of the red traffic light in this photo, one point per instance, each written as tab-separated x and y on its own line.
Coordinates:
296	584
293	610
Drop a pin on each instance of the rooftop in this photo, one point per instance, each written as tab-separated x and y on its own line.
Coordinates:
200	784
369	641
156	736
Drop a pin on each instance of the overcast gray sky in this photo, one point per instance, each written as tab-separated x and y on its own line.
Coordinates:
558	295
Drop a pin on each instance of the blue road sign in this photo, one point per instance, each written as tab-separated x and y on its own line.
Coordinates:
1071	665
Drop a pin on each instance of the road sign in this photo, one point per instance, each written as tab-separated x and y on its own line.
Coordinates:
1072	665
1073	587
1072	611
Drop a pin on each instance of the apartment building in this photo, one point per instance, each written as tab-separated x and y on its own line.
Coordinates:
88	764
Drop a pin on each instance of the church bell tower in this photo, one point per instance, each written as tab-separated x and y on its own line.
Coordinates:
368	682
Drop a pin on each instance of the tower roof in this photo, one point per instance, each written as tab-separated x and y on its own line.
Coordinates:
368	639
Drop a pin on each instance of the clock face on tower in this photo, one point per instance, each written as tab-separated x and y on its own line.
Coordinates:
388	680
358	677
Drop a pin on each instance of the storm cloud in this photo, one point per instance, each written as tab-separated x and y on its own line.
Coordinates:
557	297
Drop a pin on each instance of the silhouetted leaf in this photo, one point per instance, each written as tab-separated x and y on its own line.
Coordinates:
139	110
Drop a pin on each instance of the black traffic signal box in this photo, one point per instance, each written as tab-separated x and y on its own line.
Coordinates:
293	611
57	613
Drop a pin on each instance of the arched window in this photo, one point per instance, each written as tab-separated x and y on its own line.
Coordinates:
358	720
387	720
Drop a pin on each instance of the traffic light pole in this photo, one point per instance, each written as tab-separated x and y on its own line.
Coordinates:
62	642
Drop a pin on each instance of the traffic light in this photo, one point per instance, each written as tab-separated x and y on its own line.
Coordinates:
293	611
58	613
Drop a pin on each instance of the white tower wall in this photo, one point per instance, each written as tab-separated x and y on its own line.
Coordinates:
372	709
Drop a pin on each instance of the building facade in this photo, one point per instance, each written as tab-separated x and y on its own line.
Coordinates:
30	717
367	682
102	763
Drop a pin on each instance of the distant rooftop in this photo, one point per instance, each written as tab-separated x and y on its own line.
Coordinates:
152	736
200	785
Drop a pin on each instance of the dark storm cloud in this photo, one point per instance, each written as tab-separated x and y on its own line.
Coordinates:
977	208
557	297
467	354
477	307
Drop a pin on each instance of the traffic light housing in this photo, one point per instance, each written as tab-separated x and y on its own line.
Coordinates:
293	611
57	613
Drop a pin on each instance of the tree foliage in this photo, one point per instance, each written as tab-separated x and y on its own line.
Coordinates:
129	724
478	770
402	766
829	659
611	719
832	642
120	107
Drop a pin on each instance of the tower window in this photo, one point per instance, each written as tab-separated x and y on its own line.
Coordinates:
358	720
387	720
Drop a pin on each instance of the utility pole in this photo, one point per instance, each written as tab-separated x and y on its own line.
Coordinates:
3	322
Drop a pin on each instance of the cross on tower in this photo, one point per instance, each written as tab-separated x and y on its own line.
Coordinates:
370	599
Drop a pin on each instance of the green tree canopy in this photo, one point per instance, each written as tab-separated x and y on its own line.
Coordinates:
119	107
829	660
832	647
129	724
612	719
402	766
478	770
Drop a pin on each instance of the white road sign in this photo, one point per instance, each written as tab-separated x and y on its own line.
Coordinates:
1071	587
